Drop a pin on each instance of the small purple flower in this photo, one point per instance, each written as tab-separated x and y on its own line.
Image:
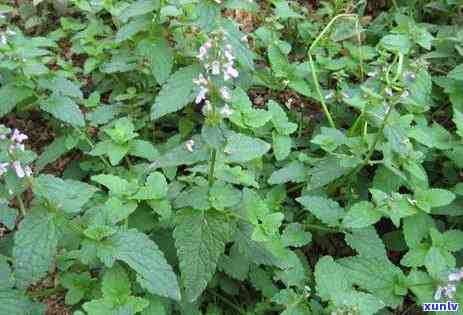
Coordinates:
28	171
201	80
230	72
18	137
225	93
18	169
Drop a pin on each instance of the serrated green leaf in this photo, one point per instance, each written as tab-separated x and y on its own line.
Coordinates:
35	246
10	96
15	302
65	109
68	195
161	60
361	214
200	238
139	7
242	148
324	209
456	73
142	255
176	93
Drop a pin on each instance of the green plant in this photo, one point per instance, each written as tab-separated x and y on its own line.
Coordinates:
230	157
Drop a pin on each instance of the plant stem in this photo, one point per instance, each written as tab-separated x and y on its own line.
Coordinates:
212	167
21	205
229	303
321	228
313	69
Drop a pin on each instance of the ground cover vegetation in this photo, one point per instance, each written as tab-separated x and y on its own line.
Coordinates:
224	157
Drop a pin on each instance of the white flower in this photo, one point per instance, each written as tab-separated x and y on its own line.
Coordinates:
388	92
18	169
10	32
203	50
3	168
201	95
230	72
215	67
229	54
189	145
345	95
201	80
225	93
18	137
329	95
244	39
456	276
3	39
372	73
28	171
226	111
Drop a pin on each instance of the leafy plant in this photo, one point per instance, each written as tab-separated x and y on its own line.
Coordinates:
230	157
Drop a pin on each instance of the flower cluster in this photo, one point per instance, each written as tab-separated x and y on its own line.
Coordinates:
17	144
217	62
448	290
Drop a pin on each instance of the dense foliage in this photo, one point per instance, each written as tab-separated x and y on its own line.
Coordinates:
230	156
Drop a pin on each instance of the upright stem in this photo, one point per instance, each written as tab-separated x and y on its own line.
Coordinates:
21	205
313	69
212	167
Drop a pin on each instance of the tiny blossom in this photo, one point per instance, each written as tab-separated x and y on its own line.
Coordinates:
18	169
189	145
18	137
3	168
289	102
230	72
3	39
345	95
201	95
226	111
388	92
28	171
405	94
329	95
372	73
285	82
215	67
244	39
225	93
201	80
448	290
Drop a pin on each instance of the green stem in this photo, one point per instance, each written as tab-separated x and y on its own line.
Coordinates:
321	228
313	69
212	167
229	303
21	205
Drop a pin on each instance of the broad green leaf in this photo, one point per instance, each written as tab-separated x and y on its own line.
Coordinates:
361	214
35	246
135	26
295	235
281	146
15	302
200	238
325	171
456	73
65	109
330	278
117	185
433	198
294	172
52	152
397	43
254	207
68	195
458	120
284	11
242	148
416	227
142	255
10	96
7	216
161	60
155	187
139	7
143	149
222	195
176	93
181	155
280	119
324	209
